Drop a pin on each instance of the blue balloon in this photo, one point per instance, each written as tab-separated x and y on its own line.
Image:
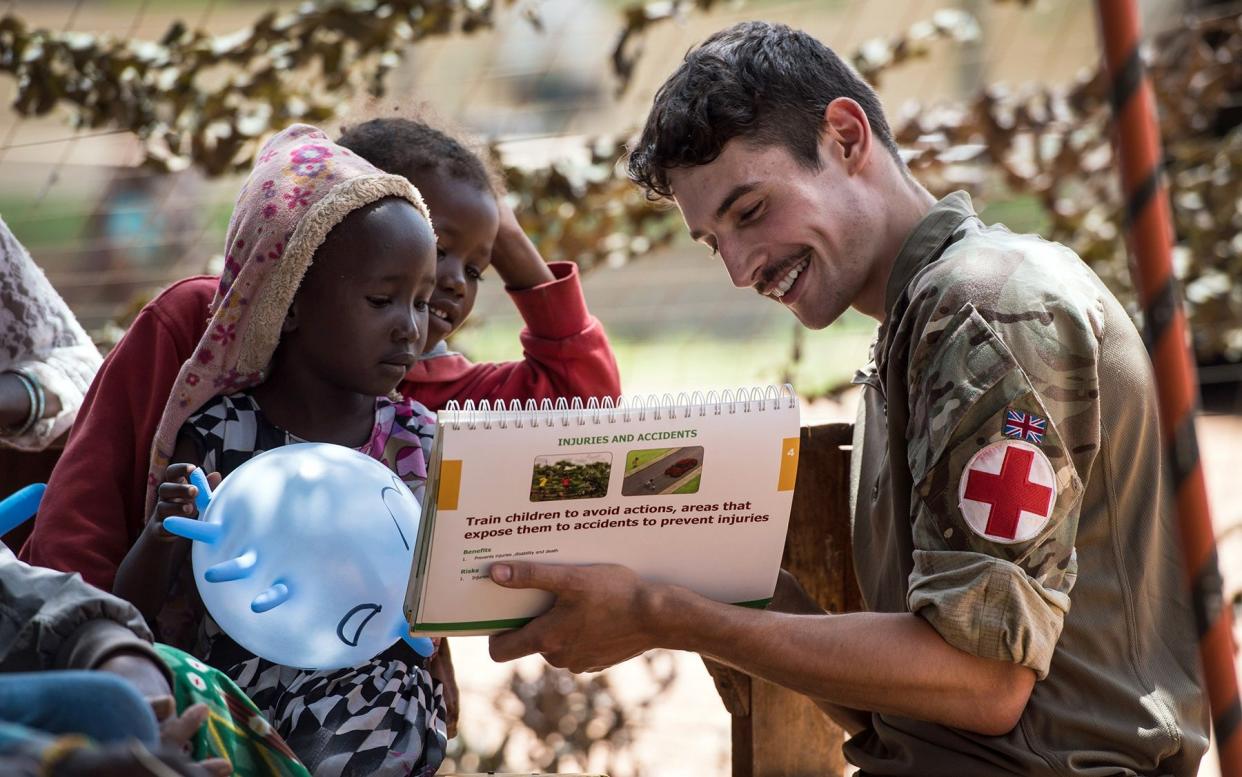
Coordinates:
20	506
302	555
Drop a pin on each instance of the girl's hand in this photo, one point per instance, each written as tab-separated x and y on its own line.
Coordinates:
176	498
515	258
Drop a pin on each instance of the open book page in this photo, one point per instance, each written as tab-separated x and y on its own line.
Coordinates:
696	495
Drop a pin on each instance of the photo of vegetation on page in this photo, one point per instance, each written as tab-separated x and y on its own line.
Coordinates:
580	476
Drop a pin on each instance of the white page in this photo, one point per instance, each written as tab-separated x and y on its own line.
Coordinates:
536	493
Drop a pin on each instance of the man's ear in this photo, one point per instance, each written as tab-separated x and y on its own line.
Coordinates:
846	134
290	324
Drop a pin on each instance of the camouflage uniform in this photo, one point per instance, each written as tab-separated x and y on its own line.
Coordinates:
1010	345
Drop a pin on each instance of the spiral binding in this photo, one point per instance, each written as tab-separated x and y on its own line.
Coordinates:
547	412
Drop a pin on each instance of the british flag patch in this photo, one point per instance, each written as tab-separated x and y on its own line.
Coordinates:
1025	426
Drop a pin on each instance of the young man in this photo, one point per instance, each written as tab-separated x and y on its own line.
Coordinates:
1013	536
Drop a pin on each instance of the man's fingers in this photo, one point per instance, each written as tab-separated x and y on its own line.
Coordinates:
509	645
178	730
557	578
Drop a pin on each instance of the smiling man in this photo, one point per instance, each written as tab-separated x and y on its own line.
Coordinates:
1013	536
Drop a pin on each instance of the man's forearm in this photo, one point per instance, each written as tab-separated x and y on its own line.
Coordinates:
893	663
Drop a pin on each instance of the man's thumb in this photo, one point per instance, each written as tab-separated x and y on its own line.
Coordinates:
524	574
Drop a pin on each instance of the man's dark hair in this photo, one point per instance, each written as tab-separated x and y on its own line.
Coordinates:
766	83
410	148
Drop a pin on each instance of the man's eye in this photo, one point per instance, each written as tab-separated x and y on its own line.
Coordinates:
440	253
378	301
474	273
420	305
751	212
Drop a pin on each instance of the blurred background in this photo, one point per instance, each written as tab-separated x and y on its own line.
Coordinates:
126	124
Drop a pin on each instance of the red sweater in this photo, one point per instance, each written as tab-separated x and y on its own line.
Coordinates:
92	512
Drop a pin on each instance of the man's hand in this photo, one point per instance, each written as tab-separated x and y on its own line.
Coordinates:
601	617
442	669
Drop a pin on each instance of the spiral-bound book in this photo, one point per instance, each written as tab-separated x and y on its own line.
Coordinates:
693	490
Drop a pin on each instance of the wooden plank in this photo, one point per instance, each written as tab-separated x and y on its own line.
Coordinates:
785	734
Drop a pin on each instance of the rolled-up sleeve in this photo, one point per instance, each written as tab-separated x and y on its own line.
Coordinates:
997	494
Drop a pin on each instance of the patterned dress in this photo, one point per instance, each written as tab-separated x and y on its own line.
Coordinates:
385	717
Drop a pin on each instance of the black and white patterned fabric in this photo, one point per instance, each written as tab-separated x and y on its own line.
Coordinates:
385	717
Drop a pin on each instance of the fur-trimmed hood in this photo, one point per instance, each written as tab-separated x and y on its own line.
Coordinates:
301	187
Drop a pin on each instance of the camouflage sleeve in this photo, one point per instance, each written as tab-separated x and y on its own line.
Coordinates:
1003	428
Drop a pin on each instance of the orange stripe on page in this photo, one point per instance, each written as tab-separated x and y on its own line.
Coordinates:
450	484
789	464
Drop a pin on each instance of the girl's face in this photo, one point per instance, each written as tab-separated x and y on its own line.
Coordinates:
466	220
359	319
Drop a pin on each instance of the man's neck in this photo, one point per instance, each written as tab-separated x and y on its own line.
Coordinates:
907	204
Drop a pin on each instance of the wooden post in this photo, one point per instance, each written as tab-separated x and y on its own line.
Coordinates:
776	732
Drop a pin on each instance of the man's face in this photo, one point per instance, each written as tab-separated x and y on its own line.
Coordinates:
796	236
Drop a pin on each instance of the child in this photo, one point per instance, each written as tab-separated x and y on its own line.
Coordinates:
565	348
321	311
94	510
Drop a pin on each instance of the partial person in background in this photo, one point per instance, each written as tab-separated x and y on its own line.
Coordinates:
46	360
82	689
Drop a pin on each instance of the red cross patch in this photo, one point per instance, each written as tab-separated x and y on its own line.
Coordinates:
1007	492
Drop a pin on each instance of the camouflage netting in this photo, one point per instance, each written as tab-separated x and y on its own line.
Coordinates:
202	100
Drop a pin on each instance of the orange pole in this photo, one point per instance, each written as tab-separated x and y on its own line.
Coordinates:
1149	232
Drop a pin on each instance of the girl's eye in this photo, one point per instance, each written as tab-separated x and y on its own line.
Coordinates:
378	301
420	305
474	273
440	253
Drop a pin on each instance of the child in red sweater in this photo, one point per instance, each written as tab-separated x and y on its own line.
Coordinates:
94	511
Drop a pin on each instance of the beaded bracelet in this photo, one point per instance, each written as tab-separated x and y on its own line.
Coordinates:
38	403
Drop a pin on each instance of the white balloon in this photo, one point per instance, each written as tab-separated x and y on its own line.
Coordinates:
305	555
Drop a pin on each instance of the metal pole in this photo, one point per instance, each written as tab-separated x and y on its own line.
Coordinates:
1149	231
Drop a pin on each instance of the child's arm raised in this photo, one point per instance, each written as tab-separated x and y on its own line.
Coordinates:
146	574
566	352
515	257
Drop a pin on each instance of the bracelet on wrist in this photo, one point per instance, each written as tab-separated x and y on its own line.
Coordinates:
38	403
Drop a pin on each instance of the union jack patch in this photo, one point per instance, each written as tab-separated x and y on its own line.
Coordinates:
1025	426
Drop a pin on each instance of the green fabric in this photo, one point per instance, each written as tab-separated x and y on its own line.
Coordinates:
235	729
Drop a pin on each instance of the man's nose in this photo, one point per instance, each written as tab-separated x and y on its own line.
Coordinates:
743	265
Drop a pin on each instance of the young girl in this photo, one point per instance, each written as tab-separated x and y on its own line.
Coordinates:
565	349
320	312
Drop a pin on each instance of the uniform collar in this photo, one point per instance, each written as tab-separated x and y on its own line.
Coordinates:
925	243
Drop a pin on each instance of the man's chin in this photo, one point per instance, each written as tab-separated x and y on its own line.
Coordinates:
812	318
